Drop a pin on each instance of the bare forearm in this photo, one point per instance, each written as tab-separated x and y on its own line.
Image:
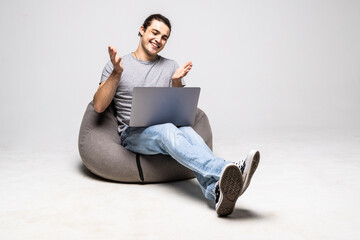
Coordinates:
105	93
177	83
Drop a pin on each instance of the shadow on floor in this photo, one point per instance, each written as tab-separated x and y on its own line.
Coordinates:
187	187
192	188
86	172
242	214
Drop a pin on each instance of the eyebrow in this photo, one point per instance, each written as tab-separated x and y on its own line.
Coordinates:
160	32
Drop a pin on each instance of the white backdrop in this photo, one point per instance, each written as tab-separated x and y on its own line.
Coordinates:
263	66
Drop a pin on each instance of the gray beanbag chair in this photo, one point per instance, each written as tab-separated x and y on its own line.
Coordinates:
102	154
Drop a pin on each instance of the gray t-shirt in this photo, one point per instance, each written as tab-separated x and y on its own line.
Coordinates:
137	73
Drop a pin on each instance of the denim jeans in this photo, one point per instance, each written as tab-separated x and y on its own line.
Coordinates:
184	145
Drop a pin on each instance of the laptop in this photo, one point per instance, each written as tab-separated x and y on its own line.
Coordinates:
158	105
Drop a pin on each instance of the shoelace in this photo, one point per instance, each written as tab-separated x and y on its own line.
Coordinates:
241	165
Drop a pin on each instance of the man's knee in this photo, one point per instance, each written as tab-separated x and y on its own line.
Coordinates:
187	129
167	131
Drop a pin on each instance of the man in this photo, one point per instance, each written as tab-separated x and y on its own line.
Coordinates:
220	180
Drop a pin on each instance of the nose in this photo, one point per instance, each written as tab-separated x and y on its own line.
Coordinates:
158	39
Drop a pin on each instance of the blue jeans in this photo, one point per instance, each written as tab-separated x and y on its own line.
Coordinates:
184	145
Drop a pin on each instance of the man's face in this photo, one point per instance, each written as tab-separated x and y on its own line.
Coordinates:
153	40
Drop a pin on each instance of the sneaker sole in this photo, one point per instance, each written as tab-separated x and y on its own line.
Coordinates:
253	166
231	184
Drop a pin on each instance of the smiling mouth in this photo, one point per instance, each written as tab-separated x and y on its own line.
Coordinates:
155	45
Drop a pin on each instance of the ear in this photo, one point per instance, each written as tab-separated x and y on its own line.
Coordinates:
142	30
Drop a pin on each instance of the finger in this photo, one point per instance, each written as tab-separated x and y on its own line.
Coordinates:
187	64
189	68
112	58
186	71
116	56
111	50
118	61
111	54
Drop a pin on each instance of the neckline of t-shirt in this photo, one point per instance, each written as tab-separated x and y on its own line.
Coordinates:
146	62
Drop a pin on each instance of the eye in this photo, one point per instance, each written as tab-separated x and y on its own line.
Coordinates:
155	33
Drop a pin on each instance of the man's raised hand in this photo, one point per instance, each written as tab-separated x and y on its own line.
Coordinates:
115	60
182	71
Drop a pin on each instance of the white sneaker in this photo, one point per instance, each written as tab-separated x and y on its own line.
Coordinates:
248	167
228	189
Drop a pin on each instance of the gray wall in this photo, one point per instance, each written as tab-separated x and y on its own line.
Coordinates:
264	66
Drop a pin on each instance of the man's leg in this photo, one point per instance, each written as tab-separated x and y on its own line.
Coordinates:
207	184
184	145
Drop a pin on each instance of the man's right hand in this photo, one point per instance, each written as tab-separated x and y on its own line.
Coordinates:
115	60
107	89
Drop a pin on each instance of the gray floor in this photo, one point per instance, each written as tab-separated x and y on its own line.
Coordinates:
306	187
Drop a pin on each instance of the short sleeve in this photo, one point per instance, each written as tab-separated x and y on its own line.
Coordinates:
106	72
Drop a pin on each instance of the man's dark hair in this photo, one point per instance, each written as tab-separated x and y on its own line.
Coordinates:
158	17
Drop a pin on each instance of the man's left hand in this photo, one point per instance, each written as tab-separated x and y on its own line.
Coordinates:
182	71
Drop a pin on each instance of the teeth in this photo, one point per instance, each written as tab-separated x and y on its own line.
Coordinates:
155	45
